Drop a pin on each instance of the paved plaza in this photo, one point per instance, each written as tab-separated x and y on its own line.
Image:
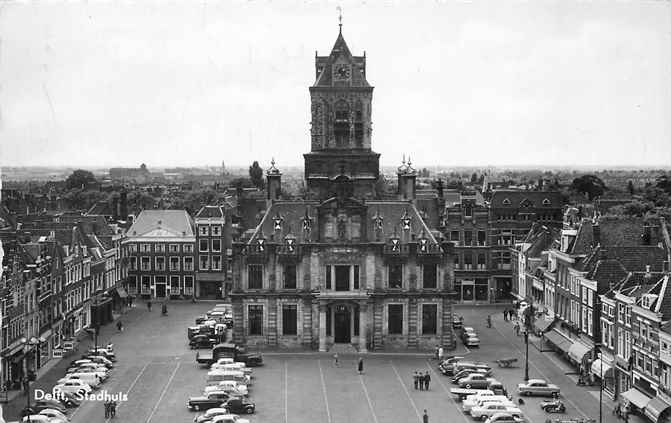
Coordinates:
158	372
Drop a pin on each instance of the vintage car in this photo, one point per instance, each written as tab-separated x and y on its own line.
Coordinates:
207	416
50	404
231	386
465	372
229	418
503	418
475	381
468	404
538	387
73	386
201	341
490	408
211	400
470	338
240	405
53	414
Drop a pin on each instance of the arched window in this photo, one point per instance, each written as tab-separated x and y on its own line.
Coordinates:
341	124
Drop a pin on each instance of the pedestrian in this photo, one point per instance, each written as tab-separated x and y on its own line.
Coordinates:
107	409
441	354
149	305
415	379
420	376
427	380
616	410
516	329
113	409
505	314
119	326
360	366
489	320
335	359
425	417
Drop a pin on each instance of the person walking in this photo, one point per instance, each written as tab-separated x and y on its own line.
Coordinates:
516	328
335	359
107	409
441	354
360	366
427	380
420	376
425	417
113	409
119	326
489	320
415	379
505	314
149	305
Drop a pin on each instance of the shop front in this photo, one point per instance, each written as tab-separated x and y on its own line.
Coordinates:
602	368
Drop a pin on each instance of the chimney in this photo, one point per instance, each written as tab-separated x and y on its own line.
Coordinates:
439	188
123	205
274	183
596	233
406	181
648	275
647	235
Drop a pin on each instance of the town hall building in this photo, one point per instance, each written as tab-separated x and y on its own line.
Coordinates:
344	266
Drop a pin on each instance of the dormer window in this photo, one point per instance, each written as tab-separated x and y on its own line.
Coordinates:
395	245
546	202
506	202
261	243
647	300
423	245
406	220
291	244
277	222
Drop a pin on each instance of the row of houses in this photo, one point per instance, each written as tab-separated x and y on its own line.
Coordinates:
600	289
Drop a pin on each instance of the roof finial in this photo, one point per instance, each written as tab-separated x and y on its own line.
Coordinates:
339	9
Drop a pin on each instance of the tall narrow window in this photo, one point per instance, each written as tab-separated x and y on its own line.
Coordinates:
342	278
468	238
396	276
482	238
356	277
289	319
395	319
341	124
358	124
255	276
328	277
255	319
430	276
429	319
290	276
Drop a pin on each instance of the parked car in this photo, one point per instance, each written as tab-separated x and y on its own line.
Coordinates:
488	409
38	418
200	319
229	418
46	405
54	414
73	386
108	354
231	386
465	372
90	379
207	416
211	400
241	367
240	405
99	359
456	322
475	381
202	341
503	418
538	387
456	367
470	338
467	405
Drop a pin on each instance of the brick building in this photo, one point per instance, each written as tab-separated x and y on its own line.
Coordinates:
160	248
343	267
214	235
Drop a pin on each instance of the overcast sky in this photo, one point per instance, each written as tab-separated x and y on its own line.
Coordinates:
456	83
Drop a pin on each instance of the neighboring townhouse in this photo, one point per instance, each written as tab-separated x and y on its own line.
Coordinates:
214	237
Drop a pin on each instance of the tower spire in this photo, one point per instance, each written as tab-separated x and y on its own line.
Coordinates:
339	9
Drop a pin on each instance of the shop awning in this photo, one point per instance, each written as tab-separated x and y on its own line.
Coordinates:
543	325
122	292
578	351
636	397
655	408
597	366
558	340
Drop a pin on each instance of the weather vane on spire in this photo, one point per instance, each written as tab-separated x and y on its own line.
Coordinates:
339	9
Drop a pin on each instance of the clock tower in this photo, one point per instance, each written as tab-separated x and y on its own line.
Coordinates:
341	154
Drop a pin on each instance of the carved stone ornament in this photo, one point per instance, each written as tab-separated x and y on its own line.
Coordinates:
277	222
395	245
406	220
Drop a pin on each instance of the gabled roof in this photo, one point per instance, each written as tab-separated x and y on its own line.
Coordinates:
515	199
340	53
614	231
217	212
162	223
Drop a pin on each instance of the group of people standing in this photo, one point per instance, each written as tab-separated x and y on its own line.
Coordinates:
110	409
509	314
421	381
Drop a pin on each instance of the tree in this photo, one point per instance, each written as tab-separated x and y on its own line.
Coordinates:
474	178
630	187
80	179
589	185
256	175
663	183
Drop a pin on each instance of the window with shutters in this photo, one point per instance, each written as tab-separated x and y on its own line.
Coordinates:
254	276
255	319
395	319
289	319
429	319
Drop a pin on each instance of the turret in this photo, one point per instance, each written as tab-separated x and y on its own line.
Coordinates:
274	183
406	181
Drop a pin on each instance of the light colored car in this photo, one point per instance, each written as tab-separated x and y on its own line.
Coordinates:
73	387
90	379
229	418
95	366
503	418
241	367
475	381
538	387
225	360
467	405
40	418
101	360
488	409
470	339
209	415
229	386
54	414
100	373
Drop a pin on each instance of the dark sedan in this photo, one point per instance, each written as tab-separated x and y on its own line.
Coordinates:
210	400
201	341
240	406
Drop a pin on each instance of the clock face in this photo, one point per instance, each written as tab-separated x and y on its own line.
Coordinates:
342	72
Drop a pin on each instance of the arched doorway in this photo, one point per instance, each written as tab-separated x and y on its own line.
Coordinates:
342	324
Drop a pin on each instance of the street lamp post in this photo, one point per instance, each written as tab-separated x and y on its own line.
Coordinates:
601	378
27	345
526	361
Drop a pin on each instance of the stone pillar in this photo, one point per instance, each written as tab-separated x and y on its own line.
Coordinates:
363	321
322	327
